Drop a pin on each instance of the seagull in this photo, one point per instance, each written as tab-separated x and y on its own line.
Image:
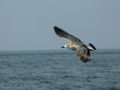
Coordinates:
83	52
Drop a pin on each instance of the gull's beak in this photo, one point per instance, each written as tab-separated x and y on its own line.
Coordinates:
62	47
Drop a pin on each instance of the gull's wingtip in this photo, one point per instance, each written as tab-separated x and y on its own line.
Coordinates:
55	27
57	30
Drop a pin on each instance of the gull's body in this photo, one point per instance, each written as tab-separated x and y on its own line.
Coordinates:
83	52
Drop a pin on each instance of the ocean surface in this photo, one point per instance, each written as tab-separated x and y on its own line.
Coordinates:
59	70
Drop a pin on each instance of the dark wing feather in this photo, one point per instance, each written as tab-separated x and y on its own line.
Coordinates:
63	34
83	53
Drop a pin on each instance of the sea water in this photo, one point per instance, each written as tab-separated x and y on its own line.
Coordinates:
59	70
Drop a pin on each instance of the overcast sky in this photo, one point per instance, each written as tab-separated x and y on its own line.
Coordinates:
28	24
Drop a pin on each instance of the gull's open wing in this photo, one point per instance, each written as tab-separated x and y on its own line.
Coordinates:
63	34
83	53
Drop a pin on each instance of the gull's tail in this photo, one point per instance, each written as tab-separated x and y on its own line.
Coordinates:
91	47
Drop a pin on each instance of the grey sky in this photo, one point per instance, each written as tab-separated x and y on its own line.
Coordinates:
28	24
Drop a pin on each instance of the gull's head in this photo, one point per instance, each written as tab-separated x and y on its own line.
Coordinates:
66	46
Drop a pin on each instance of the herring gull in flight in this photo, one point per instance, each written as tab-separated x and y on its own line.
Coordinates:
83	52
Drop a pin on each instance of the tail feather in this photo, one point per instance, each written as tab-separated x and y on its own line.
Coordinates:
92	47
